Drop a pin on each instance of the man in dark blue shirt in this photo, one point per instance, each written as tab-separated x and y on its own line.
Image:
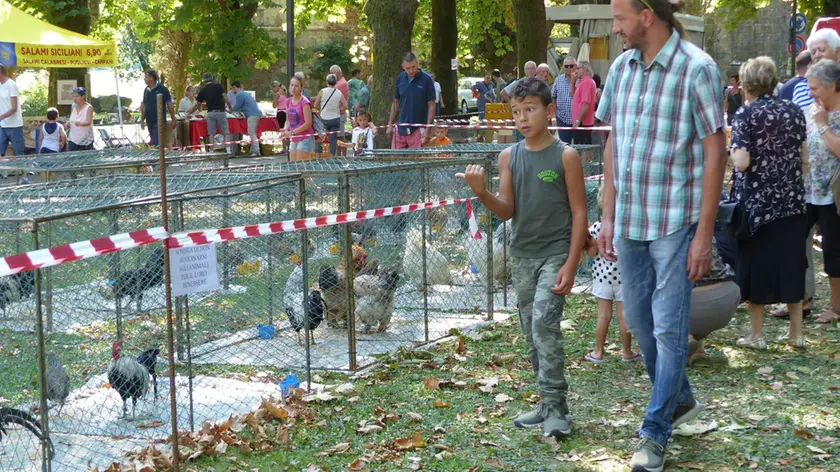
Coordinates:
803	60
414	102
148	109
485	94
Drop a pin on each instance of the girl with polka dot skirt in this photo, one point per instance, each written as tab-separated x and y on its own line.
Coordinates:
606	286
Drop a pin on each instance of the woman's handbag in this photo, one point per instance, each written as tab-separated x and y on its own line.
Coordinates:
317	122
733	216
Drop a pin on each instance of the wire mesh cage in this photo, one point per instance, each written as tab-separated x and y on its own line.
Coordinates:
100	408
423	264
50	167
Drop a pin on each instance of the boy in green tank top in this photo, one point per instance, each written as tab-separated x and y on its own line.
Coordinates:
542	189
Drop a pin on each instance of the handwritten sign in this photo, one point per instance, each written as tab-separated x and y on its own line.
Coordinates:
193	269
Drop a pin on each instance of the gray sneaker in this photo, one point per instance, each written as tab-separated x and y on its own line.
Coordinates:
685	413
649	456
556	425
532	419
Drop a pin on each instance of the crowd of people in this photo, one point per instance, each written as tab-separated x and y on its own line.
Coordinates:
663	260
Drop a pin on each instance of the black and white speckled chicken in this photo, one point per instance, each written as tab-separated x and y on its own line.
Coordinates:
148	359
128	377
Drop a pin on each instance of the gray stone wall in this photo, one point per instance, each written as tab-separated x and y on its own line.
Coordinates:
766	35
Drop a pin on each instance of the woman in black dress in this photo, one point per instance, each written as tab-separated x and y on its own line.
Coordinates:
767	138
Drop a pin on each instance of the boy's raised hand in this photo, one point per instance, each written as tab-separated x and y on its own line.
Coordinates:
475	177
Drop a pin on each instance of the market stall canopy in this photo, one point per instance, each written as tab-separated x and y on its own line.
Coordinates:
26	41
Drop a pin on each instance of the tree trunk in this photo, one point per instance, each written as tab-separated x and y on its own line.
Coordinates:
391	22
78	23
444	45
531	32
831	7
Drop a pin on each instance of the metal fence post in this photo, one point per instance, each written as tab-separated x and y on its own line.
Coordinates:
269	261
115	271
184	303
424	193
304	260
489	275
179	312
349	272
168	289
46	462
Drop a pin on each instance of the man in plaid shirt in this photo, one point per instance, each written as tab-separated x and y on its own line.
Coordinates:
663	172
563	94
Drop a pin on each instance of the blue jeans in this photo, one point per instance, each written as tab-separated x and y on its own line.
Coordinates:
657	298
564	135
14	136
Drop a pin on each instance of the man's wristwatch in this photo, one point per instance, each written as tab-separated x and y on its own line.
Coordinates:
822	130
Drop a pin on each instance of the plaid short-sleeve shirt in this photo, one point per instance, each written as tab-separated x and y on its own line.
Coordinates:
659	114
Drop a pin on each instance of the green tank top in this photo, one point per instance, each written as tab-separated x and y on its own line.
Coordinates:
542	218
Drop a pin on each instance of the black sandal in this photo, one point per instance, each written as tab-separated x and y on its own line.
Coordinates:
783	314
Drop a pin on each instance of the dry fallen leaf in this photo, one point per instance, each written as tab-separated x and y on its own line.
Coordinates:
765	370
792	375
357	464
277	411
431	383
337	449
462	347
802	434
369	429
414	417
691	465
441	404
815	450
501	398
151	424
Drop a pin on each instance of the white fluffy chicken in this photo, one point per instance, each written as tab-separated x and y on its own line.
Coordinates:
375	299
437	267
477	252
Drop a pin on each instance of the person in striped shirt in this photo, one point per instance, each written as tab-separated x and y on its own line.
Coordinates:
663	173
823	44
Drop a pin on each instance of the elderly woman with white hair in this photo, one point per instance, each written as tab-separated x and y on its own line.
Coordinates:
767	138
823	127
823	44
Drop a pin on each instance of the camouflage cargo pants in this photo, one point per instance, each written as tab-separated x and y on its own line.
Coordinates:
540	314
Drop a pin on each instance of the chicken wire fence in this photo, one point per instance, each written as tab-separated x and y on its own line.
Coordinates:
363	288
89	304
71	165
419	274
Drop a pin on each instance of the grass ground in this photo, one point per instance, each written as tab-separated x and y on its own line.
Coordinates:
773	410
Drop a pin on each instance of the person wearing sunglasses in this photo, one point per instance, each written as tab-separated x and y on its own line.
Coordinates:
563	94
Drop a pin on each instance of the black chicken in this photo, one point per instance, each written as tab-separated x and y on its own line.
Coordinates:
127	377
14	416
317	308
148	359
15	288
133	282
58	382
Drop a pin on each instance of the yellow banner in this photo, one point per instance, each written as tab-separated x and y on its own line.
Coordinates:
36	55
497	111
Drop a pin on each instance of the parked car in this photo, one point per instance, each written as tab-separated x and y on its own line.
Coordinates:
467	100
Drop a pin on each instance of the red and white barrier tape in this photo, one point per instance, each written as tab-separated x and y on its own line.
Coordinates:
197	238
81	250
474	231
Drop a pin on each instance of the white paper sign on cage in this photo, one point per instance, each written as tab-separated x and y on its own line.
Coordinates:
193	269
